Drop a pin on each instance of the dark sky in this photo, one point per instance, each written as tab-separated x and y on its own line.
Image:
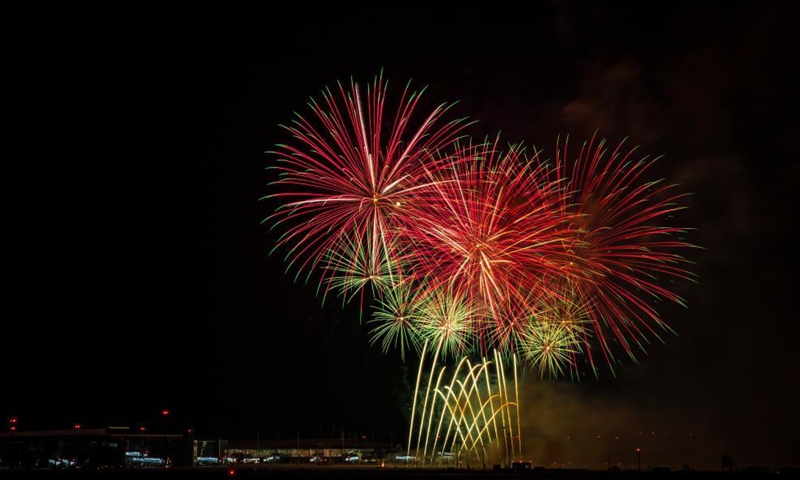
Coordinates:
136	273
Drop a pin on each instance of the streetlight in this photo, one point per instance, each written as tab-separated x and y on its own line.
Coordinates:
639	458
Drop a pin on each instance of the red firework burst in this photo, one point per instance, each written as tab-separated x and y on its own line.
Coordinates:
485	230
346	179
616	247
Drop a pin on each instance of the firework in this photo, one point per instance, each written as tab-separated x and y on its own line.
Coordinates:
446	320
397	319
469	418
349	267
344	173
468	248
552	335
484	231
550	347
616	248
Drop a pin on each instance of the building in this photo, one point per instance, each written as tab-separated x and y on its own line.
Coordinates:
308	451
110	447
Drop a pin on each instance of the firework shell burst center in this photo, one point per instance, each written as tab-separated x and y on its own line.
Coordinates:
466	247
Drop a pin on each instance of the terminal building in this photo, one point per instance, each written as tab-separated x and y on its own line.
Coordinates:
110	447
121	447
309	450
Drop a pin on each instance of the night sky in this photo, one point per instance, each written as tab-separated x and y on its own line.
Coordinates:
137	276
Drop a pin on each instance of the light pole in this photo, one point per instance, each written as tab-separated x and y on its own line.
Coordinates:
639	458
165	417
508	445
77	426
12	428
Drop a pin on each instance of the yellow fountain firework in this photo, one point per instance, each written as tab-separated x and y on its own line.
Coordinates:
470	418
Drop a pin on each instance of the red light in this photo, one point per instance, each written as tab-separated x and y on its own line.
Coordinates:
13	428
189	431
13	420
77	426
141	429
231	472
165	412
638	449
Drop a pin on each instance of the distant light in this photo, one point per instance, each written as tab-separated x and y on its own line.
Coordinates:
141	429
12	420
13	428
165	412
77	426
231	472
189	431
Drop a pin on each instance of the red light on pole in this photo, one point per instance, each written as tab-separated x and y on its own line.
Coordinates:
13	428
639	458
76	426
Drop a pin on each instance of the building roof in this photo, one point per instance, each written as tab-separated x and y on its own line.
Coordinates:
306	444
109	432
